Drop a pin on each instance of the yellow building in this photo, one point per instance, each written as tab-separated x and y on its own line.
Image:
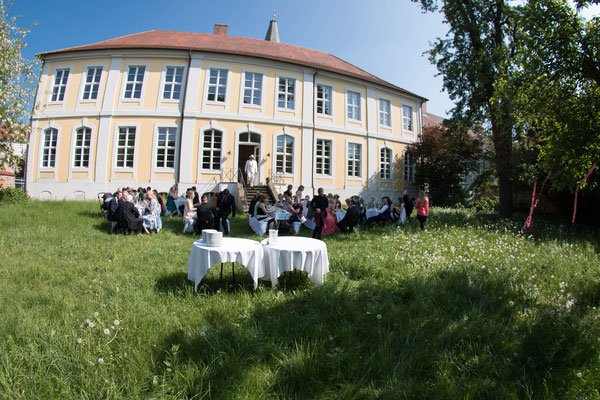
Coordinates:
159	107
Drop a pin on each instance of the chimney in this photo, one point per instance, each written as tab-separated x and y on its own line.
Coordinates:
220	29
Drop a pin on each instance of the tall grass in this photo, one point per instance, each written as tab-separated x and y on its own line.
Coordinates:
465	309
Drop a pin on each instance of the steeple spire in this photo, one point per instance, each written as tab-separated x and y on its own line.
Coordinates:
273	32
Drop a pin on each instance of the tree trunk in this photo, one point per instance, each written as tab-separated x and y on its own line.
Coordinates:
502	138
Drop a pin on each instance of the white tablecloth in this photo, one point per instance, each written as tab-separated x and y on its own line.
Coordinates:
371	212
248	253
302	253
282	216
178	203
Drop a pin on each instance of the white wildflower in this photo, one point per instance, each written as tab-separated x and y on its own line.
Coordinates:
106	331
79	340
116	322
100	360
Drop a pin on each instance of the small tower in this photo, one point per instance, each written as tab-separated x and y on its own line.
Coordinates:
273	32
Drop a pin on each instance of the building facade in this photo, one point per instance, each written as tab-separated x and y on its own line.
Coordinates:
160	107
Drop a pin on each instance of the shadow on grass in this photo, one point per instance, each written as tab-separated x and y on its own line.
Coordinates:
448	336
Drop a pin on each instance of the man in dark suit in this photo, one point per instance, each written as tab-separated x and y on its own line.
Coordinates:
128	218
350	220
205	215
112	207
225	205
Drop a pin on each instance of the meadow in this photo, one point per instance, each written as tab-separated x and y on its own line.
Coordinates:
467	309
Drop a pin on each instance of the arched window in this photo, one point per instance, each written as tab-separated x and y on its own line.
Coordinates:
81	154
211	149
385	163
49	148
285	154
409	167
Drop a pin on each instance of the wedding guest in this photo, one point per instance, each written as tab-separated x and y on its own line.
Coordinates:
196	199
408	204
128	217
422	207
189	211
160	201
225	205
205	215
383	213
350	220
251	169
295	209
253	203
319	205
150	217
113	205
372	203
288	192
337	204
261	213
171	197
300	191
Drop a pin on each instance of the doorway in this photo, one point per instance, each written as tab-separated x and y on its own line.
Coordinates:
248	143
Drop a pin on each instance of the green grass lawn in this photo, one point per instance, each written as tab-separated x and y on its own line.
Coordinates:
465	309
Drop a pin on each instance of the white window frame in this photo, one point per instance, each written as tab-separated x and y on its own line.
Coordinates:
207	85
383	163
84	83
125	81
155	148
164	83
410	178
252	89
286	93
331	157
350	93
136	152
360	160
212	150
45	168
75	147
293	154
411	119
331	88
380	100
53	84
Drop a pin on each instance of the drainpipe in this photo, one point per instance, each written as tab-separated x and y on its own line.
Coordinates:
25	171
187	80
314	113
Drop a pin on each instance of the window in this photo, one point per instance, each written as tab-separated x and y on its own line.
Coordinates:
217	85
60	85
211	149
253	88
409	168
384	113
407	118
92	83
284	154
385	163
353	105
83	139
286	93
126	147
173	83
135	79
165	147
323	99
49	149
354	150
323	157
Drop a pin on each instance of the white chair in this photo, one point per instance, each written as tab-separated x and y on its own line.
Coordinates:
259	227
310	224
188	226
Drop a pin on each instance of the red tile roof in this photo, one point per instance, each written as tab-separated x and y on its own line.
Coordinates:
431	119
235	45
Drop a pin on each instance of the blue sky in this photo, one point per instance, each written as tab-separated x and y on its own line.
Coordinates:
384	37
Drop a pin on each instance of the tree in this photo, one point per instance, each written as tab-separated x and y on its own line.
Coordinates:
558	73
473	59
444	157
18	81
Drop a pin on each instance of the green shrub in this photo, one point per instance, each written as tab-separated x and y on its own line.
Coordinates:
13	196
486	204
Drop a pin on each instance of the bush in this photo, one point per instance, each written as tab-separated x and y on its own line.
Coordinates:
13	196
486	204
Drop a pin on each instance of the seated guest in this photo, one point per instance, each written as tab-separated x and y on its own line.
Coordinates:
159	198
372	203
261	213
128	217
113	205
225	205
296	212
363	210
281	199
205	215
350	220
152	209
337	204
189	211
288	192
171	197
384	213
253	203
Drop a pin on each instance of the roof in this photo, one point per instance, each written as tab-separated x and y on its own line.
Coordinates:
432	119
224	44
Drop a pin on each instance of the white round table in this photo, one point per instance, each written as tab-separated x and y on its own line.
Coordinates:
248	253
304	254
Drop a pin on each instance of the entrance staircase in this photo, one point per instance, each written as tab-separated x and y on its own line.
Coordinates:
252	191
